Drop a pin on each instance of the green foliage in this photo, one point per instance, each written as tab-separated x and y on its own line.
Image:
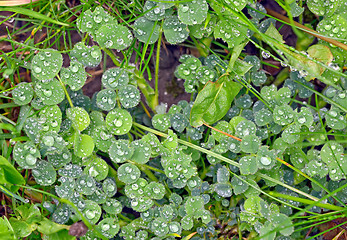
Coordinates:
99	160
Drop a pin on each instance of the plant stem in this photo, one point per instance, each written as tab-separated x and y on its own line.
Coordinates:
306	29
157	60
66	93
306	201
112	56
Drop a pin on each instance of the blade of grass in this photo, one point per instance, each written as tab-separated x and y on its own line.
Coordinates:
33	14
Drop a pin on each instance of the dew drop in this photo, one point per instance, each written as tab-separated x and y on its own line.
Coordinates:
265	161
37	69
30	159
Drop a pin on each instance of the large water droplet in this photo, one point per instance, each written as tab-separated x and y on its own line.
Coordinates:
185	8
265	161
118	122
90	214
30	159
37	69
48	141
97	19
47	93
108	43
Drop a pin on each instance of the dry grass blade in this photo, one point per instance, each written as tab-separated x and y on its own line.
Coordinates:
16	2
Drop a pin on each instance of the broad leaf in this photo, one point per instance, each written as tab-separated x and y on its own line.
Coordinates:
214	101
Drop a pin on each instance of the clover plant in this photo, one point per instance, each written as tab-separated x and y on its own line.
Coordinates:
253	155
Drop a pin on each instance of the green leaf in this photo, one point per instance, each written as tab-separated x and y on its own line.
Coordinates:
120	151
26	154
21	228
109	186
75	76
50	93
174	30
9	174
88	56
248	165
66	188
274	33
129	96
114	36
192	13
51	118
44	173
155	11
146	31
48	227
85	184
119	121
231	31
90	21
106	99
5	231
92	211
332	154
46	64
142	151
128	173
79	117
194	204
23	93
84	146
115	78
213	101
112	206
239	186
323	7
97	168
108	227
155	190
161	122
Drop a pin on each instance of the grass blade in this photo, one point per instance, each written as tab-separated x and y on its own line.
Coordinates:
33	14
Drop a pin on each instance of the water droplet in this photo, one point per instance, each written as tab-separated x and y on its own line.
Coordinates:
156	190
97	19
74	68
120	41
265	54
327	27
95	54
30	159
105	227
89	24
156	10
48	141
118	122
47	93
185	8
302	120
227	35
90	214
186	72
265	161
37	69
110	188
108	43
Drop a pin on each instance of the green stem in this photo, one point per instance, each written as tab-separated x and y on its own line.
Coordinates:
157	60
306	201
112	56
66	93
